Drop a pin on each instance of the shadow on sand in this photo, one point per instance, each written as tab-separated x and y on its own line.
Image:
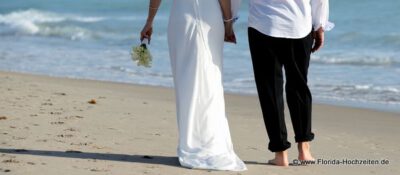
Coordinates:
146	159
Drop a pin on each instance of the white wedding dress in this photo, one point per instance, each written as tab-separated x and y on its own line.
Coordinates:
196	39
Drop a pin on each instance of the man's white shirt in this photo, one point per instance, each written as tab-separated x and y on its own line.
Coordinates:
289	18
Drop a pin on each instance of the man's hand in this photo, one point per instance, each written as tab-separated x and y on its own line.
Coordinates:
318	39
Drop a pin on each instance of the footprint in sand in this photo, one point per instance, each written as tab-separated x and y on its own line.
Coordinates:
57	123
99	147
73	117
55	113
65	135
71	130
98	170
60	93
60	141
47	104
61	109
32	96
10	161
252	148
5	170
18	138
81	144
31	163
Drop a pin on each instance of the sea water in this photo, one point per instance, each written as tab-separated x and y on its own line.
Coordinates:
92	39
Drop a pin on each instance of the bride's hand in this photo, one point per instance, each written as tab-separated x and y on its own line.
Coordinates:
229	33
147	31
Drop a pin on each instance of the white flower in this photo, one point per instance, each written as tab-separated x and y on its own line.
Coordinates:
141	55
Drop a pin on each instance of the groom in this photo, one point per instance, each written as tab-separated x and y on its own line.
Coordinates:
283	34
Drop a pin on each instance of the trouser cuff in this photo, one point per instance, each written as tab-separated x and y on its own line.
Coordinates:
305	138
278	147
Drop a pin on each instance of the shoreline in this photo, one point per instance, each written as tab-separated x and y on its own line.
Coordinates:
95	127
381	107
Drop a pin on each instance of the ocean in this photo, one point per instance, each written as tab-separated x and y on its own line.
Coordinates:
91	39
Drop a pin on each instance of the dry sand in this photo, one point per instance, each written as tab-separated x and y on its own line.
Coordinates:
48	126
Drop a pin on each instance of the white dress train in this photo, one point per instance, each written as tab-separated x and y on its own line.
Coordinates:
196	39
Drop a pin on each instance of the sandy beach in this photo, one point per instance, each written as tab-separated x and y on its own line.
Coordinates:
66	126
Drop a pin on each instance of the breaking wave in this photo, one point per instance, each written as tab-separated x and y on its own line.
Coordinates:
36	22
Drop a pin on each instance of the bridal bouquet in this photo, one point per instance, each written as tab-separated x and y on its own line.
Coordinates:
141	54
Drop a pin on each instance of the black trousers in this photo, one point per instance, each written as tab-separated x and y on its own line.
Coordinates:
269	56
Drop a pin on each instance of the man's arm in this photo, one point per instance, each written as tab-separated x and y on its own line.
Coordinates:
320	17
319	39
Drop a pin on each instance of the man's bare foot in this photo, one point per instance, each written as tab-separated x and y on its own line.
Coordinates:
304	151
281	159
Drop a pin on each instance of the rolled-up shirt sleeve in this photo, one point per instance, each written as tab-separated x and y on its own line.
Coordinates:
235	6
320	15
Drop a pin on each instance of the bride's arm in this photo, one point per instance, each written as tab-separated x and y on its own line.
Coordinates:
228	20
148	27
226	9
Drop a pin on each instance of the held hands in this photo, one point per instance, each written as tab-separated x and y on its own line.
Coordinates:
229	33
318	39
147	31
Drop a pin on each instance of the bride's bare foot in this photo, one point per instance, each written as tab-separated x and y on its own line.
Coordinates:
281	159
304	152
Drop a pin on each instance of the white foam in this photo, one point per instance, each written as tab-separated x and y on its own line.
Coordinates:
368	92
387	89
379	60
363	87
28	21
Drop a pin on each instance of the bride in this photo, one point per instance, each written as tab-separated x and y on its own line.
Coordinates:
196	33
